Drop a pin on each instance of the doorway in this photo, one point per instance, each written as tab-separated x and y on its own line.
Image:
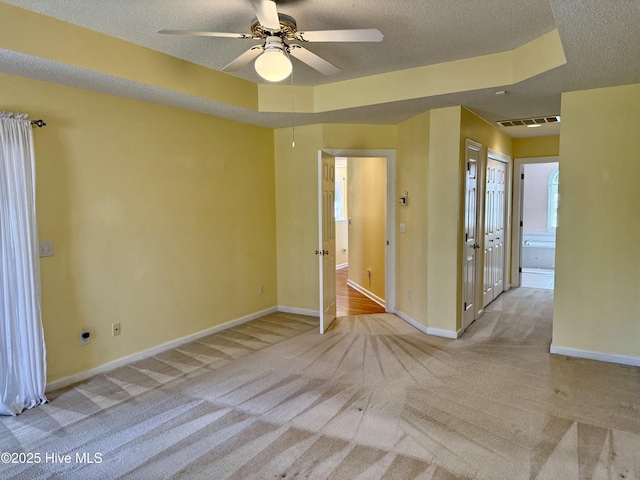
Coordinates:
486	230
387	255
360	213
536	214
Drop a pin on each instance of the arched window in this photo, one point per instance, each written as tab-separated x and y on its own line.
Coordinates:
552	214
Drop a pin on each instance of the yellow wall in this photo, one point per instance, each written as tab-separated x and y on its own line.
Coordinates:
444	198
70	44
367	229
297	216
536	147
494	70
358	136
342	243
297	201
483	132
443	156
597	283
162	220
411	247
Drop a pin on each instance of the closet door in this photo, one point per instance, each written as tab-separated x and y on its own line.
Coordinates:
499	228
470	241
494	231
489	233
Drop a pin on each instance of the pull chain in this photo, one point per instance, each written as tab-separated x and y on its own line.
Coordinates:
293	118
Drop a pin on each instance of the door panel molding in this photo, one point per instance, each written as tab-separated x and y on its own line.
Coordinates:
327	239
496	225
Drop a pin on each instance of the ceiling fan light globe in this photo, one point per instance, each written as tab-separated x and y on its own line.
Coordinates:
273	65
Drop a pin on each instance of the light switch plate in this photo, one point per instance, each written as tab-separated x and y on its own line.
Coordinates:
403	228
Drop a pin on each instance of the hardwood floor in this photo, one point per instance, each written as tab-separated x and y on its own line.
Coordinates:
350	301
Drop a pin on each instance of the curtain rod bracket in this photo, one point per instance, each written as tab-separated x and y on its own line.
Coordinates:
38	123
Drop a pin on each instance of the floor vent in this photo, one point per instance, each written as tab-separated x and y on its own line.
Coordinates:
529	121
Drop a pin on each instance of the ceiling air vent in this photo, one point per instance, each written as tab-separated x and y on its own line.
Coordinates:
529	121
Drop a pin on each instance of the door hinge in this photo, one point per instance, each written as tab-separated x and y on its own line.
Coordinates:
520	270
465	306
521	223
466	237
522	176
387	243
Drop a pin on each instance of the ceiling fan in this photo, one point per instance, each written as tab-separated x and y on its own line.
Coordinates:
277	30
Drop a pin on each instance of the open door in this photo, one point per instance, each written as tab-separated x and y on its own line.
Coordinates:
470	241
327	239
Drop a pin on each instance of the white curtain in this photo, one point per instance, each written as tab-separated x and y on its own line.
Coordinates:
22	350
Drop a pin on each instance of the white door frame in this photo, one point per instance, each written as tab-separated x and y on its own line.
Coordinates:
390	257
518	204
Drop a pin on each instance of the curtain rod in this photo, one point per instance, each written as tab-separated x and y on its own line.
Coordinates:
38	123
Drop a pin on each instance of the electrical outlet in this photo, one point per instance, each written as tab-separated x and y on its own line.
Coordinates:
261	290
115	329
369	272
85	336
410	294
46	248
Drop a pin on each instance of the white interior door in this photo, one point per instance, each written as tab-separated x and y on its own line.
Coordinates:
494	234
489	233
327	238
470	246
500	227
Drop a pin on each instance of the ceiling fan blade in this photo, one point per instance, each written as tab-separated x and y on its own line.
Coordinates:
313	60
205	34
356	35
267	13
243	59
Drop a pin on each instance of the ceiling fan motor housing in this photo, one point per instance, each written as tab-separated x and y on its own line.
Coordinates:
288	28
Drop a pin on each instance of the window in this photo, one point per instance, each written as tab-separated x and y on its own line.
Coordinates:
341	214
552	214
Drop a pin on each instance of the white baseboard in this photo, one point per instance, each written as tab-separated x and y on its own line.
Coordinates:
436	332
366	292
298	311
78	377
341	266
601	357
414	323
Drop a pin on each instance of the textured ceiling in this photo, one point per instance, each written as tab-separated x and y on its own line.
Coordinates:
601	40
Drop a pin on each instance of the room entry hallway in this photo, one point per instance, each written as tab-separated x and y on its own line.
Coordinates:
349	300
372	398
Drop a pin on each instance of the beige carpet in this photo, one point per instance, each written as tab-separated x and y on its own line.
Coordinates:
372	398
